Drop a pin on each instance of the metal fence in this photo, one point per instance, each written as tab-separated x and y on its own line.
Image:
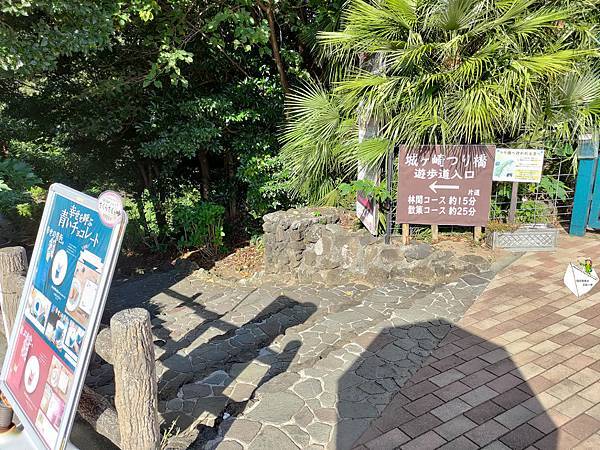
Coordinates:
548	202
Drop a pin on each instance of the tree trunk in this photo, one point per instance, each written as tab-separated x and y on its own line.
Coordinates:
268	10
12	288
136	388
145	179
204	174
230	169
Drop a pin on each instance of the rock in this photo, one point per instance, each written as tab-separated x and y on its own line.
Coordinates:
310	245
240	429
318	249
357	410
392	353
353	394
276	408
300	437
272	438
195	390
319	432
474	280
418	251
310	388
230	445
391	255
175	404
417	332
475	259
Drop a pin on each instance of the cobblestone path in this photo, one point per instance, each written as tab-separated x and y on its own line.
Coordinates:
288	367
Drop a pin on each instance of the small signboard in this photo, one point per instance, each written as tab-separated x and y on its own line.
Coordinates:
445	185
579	281
520	165
62	303
367	209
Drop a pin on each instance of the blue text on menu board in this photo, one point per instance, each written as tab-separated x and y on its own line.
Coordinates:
72	230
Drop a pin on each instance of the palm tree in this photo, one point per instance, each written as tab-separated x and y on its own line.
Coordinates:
450	72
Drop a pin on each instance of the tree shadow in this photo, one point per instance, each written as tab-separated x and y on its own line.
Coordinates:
208	368
136	292
432	384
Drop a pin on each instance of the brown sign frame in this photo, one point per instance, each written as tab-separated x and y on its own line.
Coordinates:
445	184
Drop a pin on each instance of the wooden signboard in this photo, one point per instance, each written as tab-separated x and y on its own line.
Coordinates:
445	185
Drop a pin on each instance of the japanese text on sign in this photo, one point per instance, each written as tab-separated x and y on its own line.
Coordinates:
59	314
518	165
444	185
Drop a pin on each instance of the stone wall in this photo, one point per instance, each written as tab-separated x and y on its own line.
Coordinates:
309	244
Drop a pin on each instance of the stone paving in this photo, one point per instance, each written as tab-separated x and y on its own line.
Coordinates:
304	366
520	370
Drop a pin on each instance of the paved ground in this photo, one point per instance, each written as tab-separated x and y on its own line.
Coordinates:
306	366
520	370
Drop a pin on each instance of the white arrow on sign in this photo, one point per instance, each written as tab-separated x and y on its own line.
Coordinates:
434	186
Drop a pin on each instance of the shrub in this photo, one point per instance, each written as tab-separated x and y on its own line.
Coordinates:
194	223
19	192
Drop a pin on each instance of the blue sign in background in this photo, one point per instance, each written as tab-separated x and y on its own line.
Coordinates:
75	229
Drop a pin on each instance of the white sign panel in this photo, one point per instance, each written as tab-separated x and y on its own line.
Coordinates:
579	281
519	165
62	302
367	208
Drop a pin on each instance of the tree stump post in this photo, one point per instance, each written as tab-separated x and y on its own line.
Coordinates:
13	260
136	388
12	288
13	266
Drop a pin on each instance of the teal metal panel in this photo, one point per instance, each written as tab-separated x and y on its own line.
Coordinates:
583	196
594	217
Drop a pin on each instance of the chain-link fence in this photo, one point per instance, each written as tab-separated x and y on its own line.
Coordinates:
547	202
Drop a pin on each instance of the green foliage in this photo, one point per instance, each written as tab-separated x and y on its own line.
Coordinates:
198	224
18	188
266	182
143	97
190	223
367	187
533	211
553	187
432	72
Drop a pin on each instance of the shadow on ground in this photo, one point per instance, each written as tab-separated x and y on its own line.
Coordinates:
469	394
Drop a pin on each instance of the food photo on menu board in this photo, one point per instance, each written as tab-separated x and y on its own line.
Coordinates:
64	294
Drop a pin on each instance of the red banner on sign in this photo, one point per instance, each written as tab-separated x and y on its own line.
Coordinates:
40	382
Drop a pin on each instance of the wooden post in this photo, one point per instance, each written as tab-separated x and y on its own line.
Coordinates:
434	234
13	266
513	202
13	260
12	288
136	388
477	234
405	233
100	414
